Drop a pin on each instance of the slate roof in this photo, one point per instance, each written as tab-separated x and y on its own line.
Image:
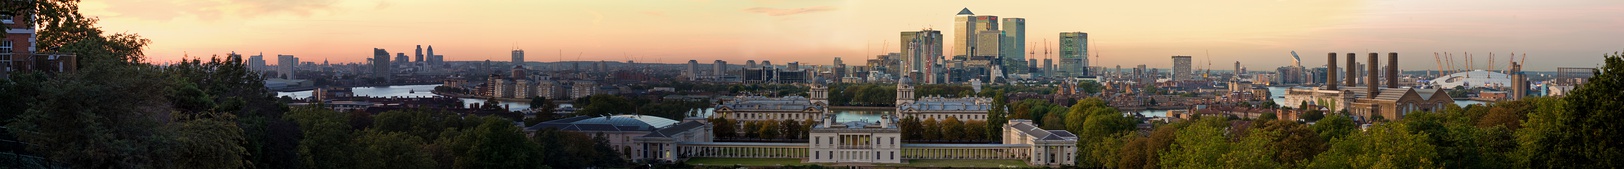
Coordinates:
1040	134
965	11
675	129
609	123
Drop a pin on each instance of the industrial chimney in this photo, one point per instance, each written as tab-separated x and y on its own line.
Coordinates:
1330	72
1353	70
1370	78
1392	70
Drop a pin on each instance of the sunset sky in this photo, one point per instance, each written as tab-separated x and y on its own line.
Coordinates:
1258	33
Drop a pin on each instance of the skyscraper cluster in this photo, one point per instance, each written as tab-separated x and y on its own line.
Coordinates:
985	47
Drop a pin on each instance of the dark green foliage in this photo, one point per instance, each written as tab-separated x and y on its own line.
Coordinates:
1334	127
495	143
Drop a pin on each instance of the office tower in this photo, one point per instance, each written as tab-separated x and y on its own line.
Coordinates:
436	59
419	53
1238	70
518	57
920	50
380	63
1074	53
717	68
1181	68
1014	44
967	28
401	60
287	64
431	52
749	63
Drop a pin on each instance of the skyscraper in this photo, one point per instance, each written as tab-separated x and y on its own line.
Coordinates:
920	50
380	63
401	59
1181	68
518	57
1014	43
419	53
1074	54
969	30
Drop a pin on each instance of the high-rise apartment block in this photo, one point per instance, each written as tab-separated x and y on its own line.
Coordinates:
286	64
518	57
920	51
256	63
1181	68
380	63
1073	54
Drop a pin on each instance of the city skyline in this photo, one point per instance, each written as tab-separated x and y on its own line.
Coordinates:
1257	33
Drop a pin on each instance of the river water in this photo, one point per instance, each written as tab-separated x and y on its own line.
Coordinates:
406	91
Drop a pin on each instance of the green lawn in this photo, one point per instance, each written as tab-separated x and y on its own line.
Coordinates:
744	161
963	163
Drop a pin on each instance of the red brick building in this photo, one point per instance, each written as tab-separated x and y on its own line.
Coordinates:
18	51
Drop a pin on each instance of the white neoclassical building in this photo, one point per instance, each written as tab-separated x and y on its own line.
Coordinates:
1047	147
967	108
855	142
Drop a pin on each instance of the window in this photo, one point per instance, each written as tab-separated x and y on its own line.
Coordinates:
5	18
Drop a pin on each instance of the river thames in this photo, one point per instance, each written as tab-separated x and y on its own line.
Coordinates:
840	115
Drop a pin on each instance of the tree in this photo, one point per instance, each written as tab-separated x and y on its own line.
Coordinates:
603	104
495	143
1293	141
911	128
1385	145
790	128
977	130
767	129
389	150
1267	116
208	142
1313	115
1334	127
933	130
953	129
723	127
1582	132
327	138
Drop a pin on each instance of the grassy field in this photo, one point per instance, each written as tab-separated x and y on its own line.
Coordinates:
963	163
744	161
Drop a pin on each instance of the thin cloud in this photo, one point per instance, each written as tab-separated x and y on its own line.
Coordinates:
789	11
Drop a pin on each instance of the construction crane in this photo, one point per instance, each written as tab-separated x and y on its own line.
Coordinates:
1491	63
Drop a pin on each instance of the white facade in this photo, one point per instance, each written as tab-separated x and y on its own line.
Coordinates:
855	142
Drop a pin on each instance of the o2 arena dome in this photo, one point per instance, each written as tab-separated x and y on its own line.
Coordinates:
1475	78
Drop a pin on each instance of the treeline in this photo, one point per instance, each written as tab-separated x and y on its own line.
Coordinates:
439	139
950	129
766	130
1575	131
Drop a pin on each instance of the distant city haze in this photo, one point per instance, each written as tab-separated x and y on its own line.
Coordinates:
1258	33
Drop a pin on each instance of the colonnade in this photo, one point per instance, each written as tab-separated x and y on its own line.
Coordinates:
744	151
966	153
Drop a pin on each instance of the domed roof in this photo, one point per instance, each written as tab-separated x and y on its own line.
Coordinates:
904	80
1475	78
965	11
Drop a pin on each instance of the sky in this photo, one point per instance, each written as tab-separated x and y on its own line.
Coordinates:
1258	33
